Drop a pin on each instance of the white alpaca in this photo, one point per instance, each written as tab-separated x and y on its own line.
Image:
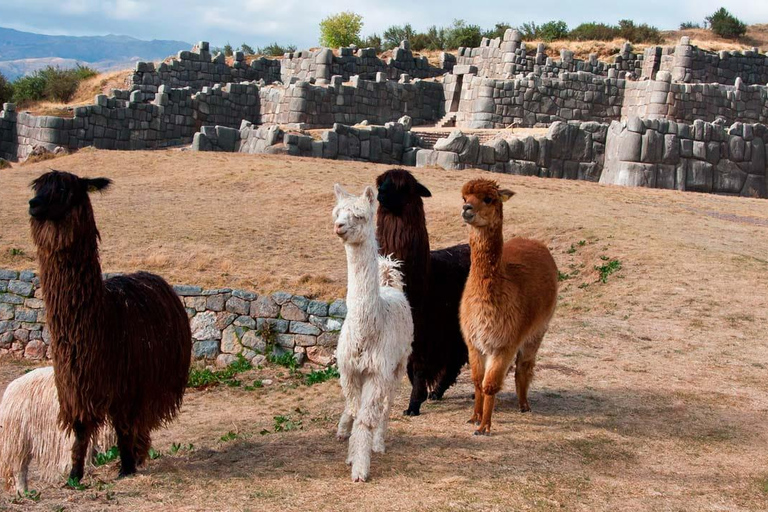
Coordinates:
29	430
376	338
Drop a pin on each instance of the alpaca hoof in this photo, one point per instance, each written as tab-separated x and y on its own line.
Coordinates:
358	479
435	396
411	412
480	432
342	437
525	408
125	473
379	448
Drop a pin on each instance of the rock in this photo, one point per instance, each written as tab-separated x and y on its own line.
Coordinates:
264	307
207	349
203	326
245	321
35	350
22	288
454	143
303	328
728	178
338	308
317	308
406	121
230	340
291	311
215	302
321	355
224	360
252	340
238	306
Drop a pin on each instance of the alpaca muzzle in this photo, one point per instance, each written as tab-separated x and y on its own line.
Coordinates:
468	213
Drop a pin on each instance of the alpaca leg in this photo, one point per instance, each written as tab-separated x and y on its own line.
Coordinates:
21	477
477	365
83	432
141	448
351	387
381	430
418	394
448	379
526	360
126	443
368	418
498	365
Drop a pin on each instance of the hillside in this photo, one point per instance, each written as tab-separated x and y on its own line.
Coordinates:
24	52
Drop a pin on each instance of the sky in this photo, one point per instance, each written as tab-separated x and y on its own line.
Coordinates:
260	22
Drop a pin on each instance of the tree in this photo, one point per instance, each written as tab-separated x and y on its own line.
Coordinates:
342	29
373	41
725	24
228	50
394	34
6	90
553	31
461	34
497	31
246	49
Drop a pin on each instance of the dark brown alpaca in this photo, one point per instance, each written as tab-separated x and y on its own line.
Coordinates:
434	282
122	346
508	302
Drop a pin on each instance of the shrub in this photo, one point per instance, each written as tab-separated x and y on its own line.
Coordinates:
228	50
435	38
394	34
276	50
342	29
6	90
725	24
247	49
643	33
593	31
28	88
60	84
688	25
497	31
552	31
461	34
373	41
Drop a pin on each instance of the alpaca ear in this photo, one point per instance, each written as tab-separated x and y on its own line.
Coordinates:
422	190
340	192
370	194
505	194
97	184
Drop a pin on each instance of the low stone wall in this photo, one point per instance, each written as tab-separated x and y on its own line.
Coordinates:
198	68
665	99
224	322
701	157
690	64
504	58
569	150
305	105
533	100
390	143
322	64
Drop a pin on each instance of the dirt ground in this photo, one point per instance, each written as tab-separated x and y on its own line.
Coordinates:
651	389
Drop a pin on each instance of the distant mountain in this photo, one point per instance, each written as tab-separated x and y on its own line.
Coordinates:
23	52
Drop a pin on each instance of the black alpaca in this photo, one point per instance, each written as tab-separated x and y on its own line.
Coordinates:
434	282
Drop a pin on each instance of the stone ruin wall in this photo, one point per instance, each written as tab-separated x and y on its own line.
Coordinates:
690	64
322	64
225	322
507	57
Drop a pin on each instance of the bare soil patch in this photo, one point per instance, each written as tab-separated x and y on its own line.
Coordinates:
650	394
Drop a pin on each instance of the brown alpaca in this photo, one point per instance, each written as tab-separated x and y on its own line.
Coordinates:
121	346
509	299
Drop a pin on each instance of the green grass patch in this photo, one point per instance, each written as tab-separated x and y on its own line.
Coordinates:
107	457
286	424
74	483
318	376
229	436
199	378
606	269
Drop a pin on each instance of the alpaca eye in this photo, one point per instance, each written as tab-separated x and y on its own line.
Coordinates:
487	200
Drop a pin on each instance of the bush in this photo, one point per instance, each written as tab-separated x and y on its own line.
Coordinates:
6	90
28	88
725	24
373	41
60	85
593	31
435	38
276	50
643	33
247	49
341	29
497	31
552	31
461	34
50	83
688	25
228	50
394	34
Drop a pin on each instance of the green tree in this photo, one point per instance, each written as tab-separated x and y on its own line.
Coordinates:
394	34
461	34
373	41
6	90
342	29
228	50
276	50
553	31
497	31
725	24
246	49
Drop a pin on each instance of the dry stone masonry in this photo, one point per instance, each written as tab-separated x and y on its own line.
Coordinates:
225	322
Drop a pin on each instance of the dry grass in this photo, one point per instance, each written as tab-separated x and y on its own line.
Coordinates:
650	394
103	83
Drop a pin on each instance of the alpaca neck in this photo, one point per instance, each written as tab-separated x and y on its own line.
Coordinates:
363	276
73	288
405	238
486	246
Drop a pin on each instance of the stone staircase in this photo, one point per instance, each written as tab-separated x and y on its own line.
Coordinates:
428	139
448	120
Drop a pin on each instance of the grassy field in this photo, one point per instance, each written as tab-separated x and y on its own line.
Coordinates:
650	392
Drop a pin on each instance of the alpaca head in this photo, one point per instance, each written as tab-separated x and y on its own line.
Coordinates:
397	189
61	204
482	203
353	215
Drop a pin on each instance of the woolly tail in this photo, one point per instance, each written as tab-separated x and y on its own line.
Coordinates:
389	273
